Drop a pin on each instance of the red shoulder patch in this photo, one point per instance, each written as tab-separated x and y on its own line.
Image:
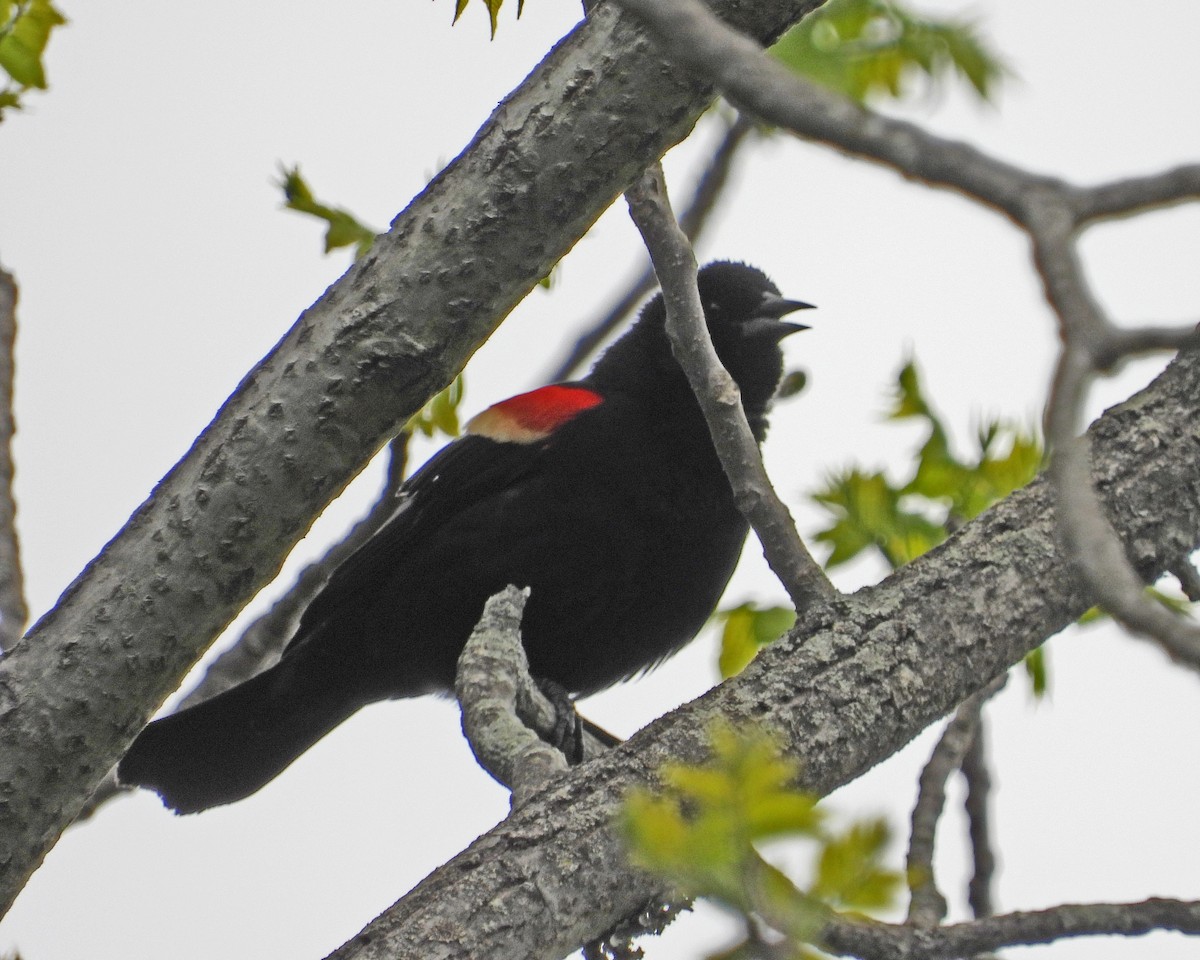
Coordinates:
533	416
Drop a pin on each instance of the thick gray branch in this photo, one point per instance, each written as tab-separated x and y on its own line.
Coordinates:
842	693
1100	556
359	362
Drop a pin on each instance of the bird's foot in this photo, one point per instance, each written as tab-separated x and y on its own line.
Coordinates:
567	735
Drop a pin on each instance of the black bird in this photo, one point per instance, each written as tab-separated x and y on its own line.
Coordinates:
603	495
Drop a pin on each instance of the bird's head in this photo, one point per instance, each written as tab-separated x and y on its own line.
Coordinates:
745	312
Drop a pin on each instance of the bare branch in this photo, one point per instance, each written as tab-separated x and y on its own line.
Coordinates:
979	788
882	941
698	40
1121	198
675	265
927	906
13	611
1132	342
755	82
502	709
692	221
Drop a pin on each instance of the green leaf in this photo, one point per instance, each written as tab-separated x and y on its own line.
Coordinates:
1175	603
865	48
10	98
867	512
343	229
1035	669
904	520
25	30
745	629
440	414
493	9
700	834
700	831
792	384
849	870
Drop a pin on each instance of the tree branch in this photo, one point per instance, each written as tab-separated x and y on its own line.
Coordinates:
692	221
394	330
1097	550
1121	198
503	712
979	790
675	265
883	941
927	906
13	611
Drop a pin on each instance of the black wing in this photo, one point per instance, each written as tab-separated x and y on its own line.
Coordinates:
462	474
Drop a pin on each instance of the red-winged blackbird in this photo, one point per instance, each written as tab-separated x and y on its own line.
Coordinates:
604	496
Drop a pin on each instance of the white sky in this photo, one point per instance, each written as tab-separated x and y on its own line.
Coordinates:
138	214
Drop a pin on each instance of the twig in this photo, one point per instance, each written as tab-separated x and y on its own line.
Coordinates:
1120	198
13	611
927	906
675	265
692	221
883	941
979	788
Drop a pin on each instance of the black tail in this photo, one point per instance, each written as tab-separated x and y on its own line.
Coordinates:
228	747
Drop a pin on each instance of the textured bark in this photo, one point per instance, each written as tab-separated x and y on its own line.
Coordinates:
13	611
842	694
385	337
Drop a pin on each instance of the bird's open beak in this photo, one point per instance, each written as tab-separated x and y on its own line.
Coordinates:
767	320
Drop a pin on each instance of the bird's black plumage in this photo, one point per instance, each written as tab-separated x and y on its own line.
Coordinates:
604	496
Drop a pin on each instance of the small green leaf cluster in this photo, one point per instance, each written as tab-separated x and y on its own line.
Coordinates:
702	830
25	27
746	628
868	47
904	520
493	9
901	520
440	414
343	229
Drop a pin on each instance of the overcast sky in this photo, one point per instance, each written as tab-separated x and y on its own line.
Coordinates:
138	214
